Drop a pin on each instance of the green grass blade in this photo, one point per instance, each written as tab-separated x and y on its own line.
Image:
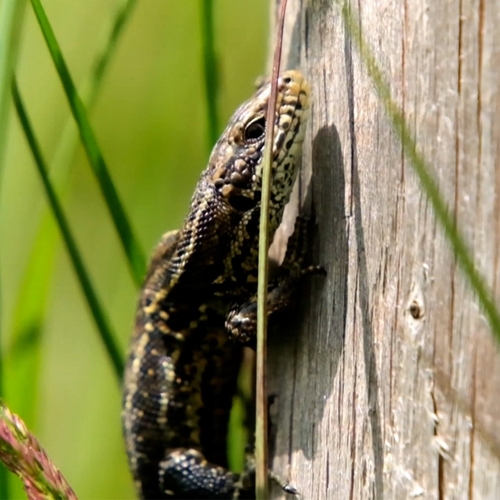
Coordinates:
123	13
90	89
23	352
98	313
423	171
135	255
209	70
11	19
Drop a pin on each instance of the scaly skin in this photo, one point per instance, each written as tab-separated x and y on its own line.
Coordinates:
198	296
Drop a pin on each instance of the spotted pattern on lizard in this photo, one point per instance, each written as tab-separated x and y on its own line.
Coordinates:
198	295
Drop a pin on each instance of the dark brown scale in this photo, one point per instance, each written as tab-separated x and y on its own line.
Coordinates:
183	363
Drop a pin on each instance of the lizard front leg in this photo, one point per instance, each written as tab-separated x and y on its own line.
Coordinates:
241	321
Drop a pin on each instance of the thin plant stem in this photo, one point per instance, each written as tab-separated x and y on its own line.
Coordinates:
261	461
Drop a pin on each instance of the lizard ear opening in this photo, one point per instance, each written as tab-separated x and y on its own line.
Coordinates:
241	203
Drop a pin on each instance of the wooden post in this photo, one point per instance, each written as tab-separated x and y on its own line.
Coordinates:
387	383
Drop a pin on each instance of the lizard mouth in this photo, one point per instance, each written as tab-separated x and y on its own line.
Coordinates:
292	111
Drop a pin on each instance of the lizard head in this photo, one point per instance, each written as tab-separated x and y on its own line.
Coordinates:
217	242
235	166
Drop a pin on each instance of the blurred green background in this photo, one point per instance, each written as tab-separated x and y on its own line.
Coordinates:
150	119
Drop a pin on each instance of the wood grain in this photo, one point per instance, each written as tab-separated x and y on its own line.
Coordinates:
387	379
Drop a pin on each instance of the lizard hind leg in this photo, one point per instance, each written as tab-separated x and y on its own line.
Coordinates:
186	474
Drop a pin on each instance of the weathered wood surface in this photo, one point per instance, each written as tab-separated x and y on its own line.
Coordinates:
389	388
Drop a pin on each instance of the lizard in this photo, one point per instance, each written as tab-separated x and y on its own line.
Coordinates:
197	308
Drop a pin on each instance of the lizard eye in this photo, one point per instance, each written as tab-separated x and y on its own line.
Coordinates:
255	129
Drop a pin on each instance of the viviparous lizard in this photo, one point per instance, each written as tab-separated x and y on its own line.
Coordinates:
197	306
